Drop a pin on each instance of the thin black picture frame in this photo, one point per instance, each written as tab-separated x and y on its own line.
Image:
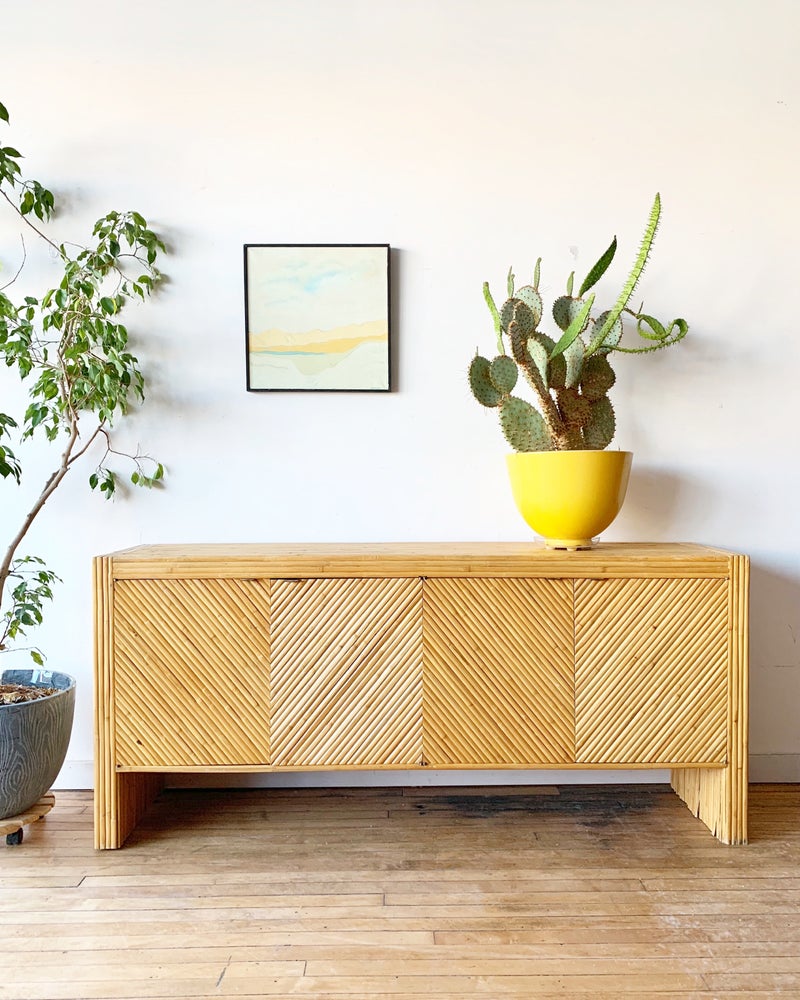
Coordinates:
358	350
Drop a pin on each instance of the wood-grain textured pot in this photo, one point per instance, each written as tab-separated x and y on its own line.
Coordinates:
34	736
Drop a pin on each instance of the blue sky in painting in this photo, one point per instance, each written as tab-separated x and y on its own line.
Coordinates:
297	289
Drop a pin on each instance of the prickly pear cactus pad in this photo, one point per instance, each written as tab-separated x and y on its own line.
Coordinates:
568	378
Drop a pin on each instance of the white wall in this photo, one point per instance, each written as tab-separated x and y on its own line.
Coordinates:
470	135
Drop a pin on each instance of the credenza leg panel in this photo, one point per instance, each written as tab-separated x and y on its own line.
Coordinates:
120	800
119	809
707	794
719	797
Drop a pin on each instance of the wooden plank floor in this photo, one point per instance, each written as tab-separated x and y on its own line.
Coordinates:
602	892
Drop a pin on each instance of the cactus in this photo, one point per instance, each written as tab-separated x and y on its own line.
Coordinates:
523	425
570	377
503	374
480	382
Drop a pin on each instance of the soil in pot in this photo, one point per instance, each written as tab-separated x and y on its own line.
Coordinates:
15	694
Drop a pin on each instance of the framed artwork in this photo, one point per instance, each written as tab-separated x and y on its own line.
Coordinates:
317	317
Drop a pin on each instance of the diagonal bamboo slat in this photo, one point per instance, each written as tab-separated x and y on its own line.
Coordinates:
498	677
185	652
346	672
651	682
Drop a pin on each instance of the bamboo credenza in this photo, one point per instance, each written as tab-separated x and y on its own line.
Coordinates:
287	657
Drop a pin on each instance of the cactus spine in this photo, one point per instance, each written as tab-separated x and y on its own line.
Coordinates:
570	378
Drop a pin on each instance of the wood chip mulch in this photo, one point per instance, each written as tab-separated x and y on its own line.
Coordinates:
13	694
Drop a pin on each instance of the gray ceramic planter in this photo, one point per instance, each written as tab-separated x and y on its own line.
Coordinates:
34	736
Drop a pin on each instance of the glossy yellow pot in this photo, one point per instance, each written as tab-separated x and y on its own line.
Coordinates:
569	497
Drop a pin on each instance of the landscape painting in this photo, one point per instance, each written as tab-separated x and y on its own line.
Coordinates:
317	317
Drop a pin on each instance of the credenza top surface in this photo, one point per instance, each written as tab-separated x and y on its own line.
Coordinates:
446	559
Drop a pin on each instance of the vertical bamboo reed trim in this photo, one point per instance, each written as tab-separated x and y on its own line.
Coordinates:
719	798
740	579
103	761
120	800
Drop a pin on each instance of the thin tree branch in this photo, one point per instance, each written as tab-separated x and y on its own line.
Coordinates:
19	269
28	222
49	488
100	429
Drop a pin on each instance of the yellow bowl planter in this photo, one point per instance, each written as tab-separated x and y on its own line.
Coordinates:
569	497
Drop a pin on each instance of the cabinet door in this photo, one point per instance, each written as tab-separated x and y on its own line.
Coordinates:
498	672
191	678
651	671
346	672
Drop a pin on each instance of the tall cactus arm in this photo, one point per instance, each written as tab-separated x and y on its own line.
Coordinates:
520	348
633	278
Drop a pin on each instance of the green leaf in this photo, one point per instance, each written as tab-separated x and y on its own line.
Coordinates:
670	338
598	269
3	113
574	329
659	333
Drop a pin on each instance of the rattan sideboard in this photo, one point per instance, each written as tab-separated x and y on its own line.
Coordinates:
216	658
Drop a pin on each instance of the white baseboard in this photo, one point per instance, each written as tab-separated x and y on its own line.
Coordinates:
775	767
76	775
413	779
79	774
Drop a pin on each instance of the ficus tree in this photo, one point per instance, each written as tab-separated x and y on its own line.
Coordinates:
71	352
